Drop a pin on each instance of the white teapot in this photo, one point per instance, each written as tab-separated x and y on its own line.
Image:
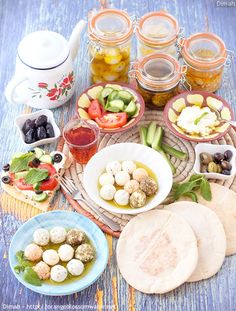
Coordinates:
44	75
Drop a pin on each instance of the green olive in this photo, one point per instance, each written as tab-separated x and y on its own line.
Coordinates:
219	168
206	158
212	167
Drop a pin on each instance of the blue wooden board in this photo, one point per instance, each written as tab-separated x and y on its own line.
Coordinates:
110	292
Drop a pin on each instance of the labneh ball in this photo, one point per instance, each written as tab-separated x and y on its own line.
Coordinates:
51	257
128	166
84	252
106	178
138	199
122	178
75	237
57	235
58	273
122	197
139	174
43	270
149	186
33	252
66	252
131	186
75	267
113	167
41	237
107	192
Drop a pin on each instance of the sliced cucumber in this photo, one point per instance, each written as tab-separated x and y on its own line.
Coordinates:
151	132
112	109
143	135
112	96
36	186
46	158
131	108
38	152
101	100
157	141
116	103
106	91
20	175
174	152
40	197
125	96
173	169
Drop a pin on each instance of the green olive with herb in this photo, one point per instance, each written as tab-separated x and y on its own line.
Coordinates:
212	167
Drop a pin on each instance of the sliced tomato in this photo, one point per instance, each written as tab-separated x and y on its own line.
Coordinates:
94	110
112	120
49	184
21	184
51	169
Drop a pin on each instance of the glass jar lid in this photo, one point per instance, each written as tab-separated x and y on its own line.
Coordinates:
158	71
110	26
157	28
204	50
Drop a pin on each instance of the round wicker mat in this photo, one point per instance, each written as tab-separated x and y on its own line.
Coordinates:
184	168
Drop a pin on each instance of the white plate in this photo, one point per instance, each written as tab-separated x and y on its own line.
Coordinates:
128	151
210	148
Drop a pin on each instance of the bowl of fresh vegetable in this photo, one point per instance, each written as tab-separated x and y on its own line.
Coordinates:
114	107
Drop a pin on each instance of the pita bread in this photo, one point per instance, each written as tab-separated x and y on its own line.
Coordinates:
223	203
210	236
157	251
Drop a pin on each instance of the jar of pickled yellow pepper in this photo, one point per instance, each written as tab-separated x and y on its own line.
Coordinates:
158	77
157	32
110	32
205	56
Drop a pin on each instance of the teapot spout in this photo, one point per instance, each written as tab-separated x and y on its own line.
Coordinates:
74	40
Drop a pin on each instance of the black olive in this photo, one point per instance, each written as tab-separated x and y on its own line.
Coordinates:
226	172
228	155
6	167
38	191
50	130
30	136
226	165
6	179
35	162
41	132
57	158
28	125
218	157
41	120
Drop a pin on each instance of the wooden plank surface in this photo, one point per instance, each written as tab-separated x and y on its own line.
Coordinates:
110	292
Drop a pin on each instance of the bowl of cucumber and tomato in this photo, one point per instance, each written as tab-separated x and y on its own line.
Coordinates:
115	107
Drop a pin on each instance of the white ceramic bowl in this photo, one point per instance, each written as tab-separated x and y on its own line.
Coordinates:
128	151
20	120
210	148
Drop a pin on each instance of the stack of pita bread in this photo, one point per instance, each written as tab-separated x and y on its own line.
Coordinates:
184	242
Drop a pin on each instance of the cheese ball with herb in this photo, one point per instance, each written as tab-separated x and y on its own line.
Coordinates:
51	257
131	186
58	273
84	252
113	167
139	174
43	270
75	267
122	178
41	237
122	197
33	252
128	166
57	235
75	237
138	199
149	186
106	178
66	252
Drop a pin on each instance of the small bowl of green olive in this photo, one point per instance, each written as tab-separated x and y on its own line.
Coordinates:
215	161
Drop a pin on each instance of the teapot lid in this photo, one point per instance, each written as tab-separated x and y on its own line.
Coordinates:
43	49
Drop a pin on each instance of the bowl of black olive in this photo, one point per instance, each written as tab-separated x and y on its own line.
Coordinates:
38	128
215	161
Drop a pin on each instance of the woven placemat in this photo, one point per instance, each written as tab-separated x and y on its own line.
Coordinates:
184	168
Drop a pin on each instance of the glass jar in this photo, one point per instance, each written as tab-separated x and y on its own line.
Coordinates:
110	33
158	78
205	55
157	32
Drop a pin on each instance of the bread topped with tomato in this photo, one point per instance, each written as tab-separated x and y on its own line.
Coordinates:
32	177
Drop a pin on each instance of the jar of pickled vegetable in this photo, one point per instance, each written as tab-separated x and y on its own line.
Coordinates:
110	33
157	32
158	77
205	56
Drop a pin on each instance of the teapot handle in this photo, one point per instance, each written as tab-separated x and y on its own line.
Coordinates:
10	90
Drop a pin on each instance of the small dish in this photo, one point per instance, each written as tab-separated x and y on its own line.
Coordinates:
203	99
20	120
66	219
94	91
210	148
128	151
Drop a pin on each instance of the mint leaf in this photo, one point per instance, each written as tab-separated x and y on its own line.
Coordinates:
205	190
35	175
21	163
20	256
192	195
30	276
183	188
